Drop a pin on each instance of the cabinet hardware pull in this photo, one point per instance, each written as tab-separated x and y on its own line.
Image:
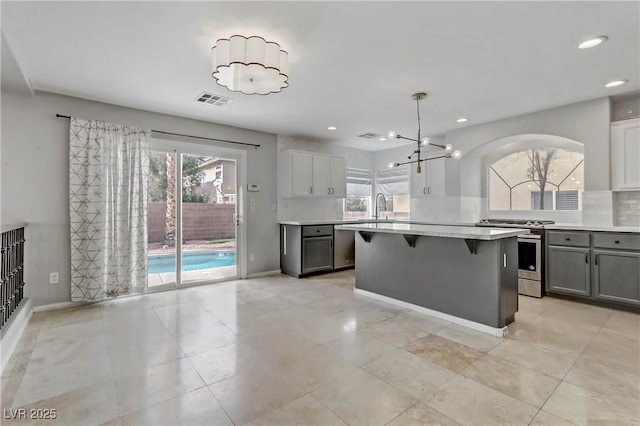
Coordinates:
328	191
429	190
568	239
333	191
586	258
284	227
596	260
310	190
617	241
424	191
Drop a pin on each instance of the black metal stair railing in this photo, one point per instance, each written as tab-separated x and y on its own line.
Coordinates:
11	271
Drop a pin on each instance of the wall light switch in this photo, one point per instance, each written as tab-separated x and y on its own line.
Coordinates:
252	257
252	204
54	278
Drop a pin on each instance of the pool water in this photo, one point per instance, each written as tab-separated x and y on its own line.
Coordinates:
191	261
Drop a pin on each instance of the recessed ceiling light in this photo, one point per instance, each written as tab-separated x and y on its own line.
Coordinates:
592	42
615	83
332	128
462	120
382	138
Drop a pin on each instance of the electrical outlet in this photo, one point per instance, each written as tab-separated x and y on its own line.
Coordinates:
252	203
54	278
252	257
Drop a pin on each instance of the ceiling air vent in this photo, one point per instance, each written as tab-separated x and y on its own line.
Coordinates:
370	136
211	99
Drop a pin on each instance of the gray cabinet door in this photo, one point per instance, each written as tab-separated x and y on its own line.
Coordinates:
616	276
568	270
317	254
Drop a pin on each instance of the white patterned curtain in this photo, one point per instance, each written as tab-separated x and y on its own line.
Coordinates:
108	168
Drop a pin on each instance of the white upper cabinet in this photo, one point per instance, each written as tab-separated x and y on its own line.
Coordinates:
321	176
431	181
338	177
301	179
306	174
625	155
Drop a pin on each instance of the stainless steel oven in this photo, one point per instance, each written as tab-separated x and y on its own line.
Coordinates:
530	253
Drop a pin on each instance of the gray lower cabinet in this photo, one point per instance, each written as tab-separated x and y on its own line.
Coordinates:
600	266
616	276
306	250
568	270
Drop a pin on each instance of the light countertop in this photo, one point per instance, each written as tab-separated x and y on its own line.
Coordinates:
580	227
316	222
445	231
356	221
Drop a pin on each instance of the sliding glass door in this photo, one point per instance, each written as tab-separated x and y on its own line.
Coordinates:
192	218
208	218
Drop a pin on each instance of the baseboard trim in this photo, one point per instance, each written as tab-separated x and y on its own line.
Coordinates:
14	331
264	274
498	332
54	306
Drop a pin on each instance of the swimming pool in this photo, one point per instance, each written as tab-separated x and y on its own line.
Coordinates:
191	261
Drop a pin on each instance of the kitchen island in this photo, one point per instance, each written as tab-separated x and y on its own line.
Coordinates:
463	274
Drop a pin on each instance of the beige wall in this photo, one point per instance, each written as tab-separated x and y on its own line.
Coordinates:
35	180
585	122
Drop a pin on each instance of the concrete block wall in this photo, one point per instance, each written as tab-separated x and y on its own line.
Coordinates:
200	221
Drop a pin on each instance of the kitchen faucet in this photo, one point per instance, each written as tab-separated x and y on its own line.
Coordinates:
375	216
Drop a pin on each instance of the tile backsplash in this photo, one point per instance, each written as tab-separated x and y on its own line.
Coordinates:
597	208
626	208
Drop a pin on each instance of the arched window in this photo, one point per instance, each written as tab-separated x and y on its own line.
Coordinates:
537	179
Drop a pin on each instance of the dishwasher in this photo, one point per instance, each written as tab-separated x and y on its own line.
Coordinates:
317	248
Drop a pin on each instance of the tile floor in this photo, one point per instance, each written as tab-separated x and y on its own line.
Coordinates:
282	351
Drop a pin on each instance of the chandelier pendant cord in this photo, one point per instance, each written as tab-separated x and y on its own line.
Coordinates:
418	168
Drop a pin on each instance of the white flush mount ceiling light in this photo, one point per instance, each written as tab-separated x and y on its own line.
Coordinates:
332	128
592	42
250	65
462	120
615	83
422	141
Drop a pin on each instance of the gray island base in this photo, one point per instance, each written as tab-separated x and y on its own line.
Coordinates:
465	275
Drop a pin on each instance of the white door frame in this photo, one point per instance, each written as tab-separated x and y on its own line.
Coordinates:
213	149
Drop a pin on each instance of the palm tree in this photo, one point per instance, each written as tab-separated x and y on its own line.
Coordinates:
170	215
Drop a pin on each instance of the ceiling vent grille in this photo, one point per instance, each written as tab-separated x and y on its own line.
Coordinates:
211	99
370	136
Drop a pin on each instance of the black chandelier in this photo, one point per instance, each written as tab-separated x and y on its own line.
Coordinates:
422	141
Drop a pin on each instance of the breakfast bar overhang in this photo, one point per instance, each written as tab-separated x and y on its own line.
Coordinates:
464	274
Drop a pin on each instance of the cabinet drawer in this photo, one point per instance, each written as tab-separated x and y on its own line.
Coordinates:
616	241
573	239
317	231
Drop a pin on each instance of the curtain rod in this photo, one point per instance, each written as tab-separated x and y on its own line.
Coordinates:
256	146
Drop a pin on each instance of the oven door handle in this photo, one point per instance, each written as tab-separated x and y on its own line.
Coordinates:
529	237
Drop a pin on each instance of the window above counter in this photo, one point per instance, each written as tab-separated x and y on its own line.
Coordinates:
543	178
